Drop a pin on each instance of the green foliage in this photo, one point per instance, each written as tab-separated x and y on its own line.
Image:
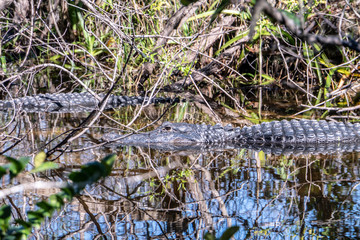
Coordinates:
283	169
89	174
3	63
187	2
14	167
5	214
245	15
219	9
45	166
225	236
180	116
41	165
291	16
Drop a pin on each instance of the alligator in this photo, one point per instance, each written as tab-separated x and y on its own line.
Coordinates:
277	136
72	102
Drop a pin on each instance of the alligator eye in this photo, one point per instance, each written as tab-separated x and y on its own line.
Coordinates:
167	128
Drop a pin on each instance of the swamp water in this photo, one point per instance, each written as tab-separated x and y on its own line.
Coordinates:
182	195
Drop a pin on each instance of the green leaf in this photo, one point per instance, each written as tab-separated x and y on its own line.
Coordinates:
231	41
94	171
187	2
209	236
3	63
90	171
77	177
23	223
2	171
24	161
291	16
268	78
35	218
39	159
5	215
241	15
67	193
221	7
261	156
45	166
56	201
17	166
229	233
108	163
46	208
22	232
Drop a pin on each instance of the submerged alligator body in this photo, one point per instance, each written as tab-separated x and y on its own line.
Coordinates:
72	102
277	136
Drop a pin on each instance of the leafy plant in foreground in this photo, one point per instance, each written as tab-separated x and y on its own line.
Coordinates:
89	174
225	236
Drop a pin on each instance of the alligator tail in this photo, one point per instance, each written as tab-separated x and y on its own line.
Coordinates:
300	131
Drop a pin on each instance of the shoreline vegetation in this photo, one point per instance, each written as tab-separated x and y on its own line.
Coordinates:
248	56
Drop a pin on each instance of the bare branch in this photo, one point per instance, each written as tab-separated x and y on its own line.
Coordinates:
281	18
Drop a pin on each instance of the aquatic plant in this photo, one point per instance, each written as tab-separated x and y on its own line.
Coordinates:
21	228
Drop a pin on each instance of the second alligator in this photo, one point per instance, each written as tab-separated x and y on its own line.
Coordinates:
72	102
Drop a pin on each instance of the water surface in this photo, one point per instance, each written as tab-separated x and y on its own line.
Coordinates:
182	195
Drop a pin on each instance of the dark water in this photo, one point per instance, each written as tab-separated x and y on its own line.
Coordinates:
182	195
